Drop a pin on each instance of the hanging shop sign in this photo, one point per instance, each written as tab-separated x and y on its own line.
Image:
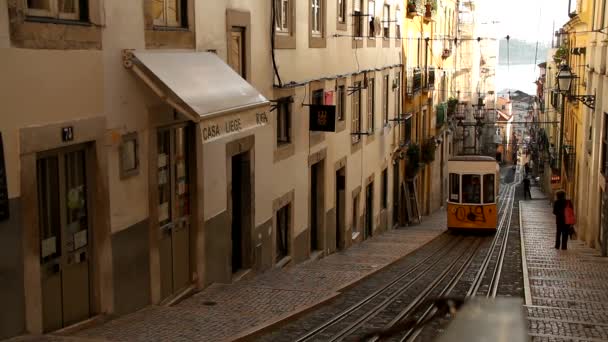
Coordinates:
322	118
4	208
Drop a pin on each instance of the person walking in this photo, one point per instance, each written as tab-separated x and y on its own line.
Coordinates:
562	228
527	192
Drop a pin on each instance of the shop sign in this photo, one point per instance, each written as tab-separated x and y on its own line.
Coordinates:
217	128
4	208
322	118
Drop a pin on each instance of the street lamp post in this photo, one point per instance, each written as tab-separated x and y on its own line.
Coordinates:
564	82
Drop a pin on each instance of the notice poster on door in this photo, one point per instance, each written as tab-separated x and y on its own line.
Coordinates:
181	170
162	160
163	212
80	239
48	247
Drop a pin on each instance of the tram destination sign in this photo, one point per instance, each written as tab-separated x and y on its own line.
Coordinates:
4	205
322	118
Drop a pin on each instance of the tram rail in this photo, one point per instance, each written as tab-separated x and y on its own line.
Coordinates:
353	320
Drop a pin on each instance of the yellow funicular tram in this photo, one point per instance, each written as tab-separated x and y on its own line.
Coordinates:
473	187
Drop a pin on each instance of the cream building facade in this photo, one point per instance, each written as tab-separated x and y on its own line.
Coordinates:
160	150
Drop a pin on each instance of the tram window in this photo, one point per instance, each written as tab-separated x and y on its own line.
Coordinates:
454	187
471	188
488	189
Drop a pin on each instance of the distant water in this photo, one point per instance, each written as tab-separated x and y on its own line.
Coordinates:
517	77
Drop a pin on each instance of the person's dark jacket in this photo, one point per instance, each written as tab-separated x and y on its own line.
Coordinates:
558	210
526	183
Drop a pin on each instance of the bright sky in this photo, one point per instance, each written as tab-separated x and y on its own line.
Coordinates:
529	20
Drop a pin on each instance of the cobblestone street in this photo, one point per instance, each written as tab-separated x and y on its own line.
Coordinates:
567	297
225	312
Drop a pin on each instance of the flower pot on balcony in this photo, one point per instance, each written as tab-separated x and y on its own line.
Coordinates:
428	11
412	10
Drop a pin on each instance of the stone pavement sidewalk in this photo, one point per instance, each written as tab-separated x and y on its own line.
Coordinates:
566	291
229	311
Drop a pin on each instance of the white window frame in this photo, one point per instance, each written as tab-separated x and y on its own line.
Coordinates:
358	18
356	116
398	23
317	18
371	104
166	22
340	102
342	11
282	16
53	11
371	13
386	20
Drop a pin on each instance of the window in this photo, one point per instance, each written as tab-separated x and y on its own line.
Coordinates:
358	19
384	189
398	23
316	18
129	158
371	103
342	11
386	20
58	9
407	127
318	97
284	121
471	189
488	189
371	12
356	214
398	94
236	52
340	102
356	117
385	86
168	12
282	239
604	165
282	16
454	187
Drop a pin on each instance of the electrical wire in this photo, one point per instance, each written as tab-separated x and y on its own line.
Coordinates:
272	41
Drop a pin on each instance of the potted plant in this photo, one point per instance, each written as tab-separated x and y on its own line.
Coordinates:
428	151
413	160
430	8
412	7
561	54
452	103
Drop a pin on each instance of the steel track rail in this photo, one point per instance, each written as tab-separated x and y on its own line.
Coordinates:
486	262
508	204
451	244
424	295
411	334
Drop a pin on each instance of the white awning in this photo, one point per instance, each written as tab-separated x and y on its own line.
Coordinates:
197	84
